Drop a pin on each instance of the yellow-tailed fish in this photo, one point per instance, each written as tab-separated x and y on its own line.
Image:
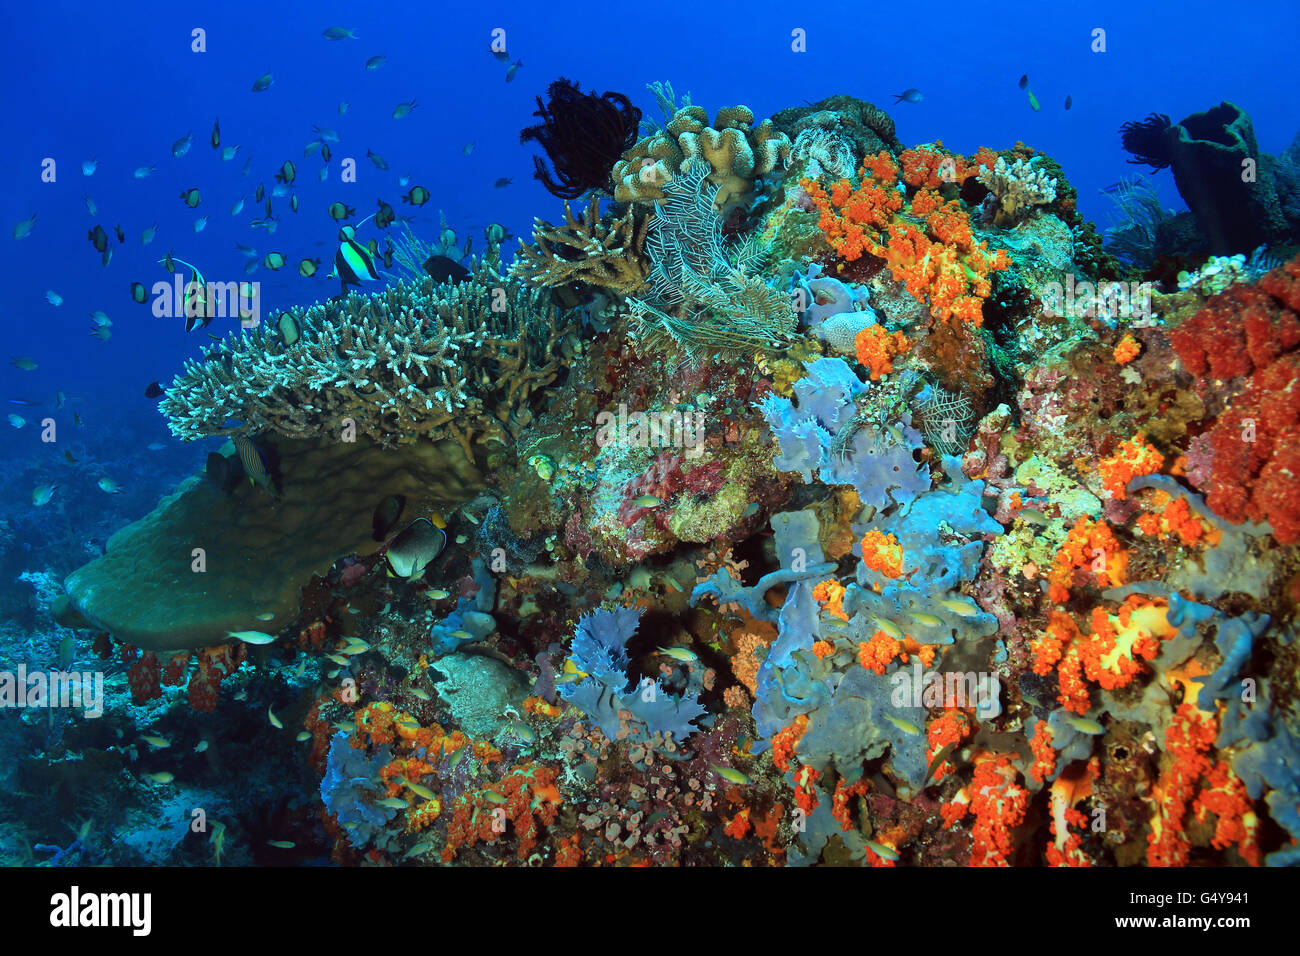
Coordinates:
266	616
906	726
925	619
161	777
252	637
730	774
251	459
647	501
155	741
683	654
959	607
1084	725
420	694
302	737
337	659
418	849
889	627
281	844
420	790
275	721
494	796
394	803
346	726
884	852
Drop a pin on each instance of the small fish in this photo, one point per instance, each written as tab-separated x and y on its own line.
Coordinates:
438	594
326	135
375	62
117	231
53	298
1069	101
1024	82
144	172
248	252
155	446
161	777
906	726
339	33
24	363
238	207
889	627
647	501
909	95
101	333
275	721
394	803
201	223
502	183
925	619
960	608
325	153
339	211
228	153
160	743
215	139
337	659
324	173
683	654
385	217
1033	101
192	197
303	736
98	238
42	494
512	69
24	228
379	161
139	293
263	82
494	796
17	421
882	851
273	260
201	747
343	107
418	196
252	637
418	849
182	145
938	760
403	109
68	456
307	267
730	774
89	166
1084	725
260	194
90	205
109	486
420	694
288	172
148	234
281	844
468	148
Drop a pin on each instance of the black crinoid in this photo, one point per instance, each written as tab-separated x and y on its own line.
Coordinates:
1147	140
583	135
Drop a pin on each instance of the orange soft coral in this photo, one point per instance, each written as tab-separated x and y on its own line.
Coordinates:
999	805
877	347
1044	754
951	727
784	741
1089	544
1177	517
1187	745
882	553
831	595
1133	458
1127	350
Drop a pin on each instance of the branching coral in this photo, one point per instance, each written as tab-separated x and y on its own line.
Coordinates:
709	293
459	360
610	255
1014	190
736	151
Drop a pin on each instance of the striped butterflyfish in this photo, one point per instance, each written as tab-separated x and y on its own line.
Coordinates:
251	459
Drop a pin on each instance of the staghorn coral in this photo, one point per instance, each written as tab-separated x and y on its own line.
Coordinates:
606	254
726	305
736	151
1014	190
424	360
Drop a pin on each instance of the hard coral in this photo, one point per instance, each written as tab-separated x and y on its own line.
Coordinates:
609	255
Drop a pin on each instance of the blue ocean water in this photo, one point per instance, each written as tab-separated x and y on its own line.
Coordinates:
120	83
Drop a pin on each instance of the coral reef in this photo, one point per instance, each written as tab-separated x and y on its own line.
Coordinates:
606	255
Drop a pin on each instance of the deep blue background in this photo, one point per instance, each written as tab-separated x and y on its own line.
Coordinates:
119	82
